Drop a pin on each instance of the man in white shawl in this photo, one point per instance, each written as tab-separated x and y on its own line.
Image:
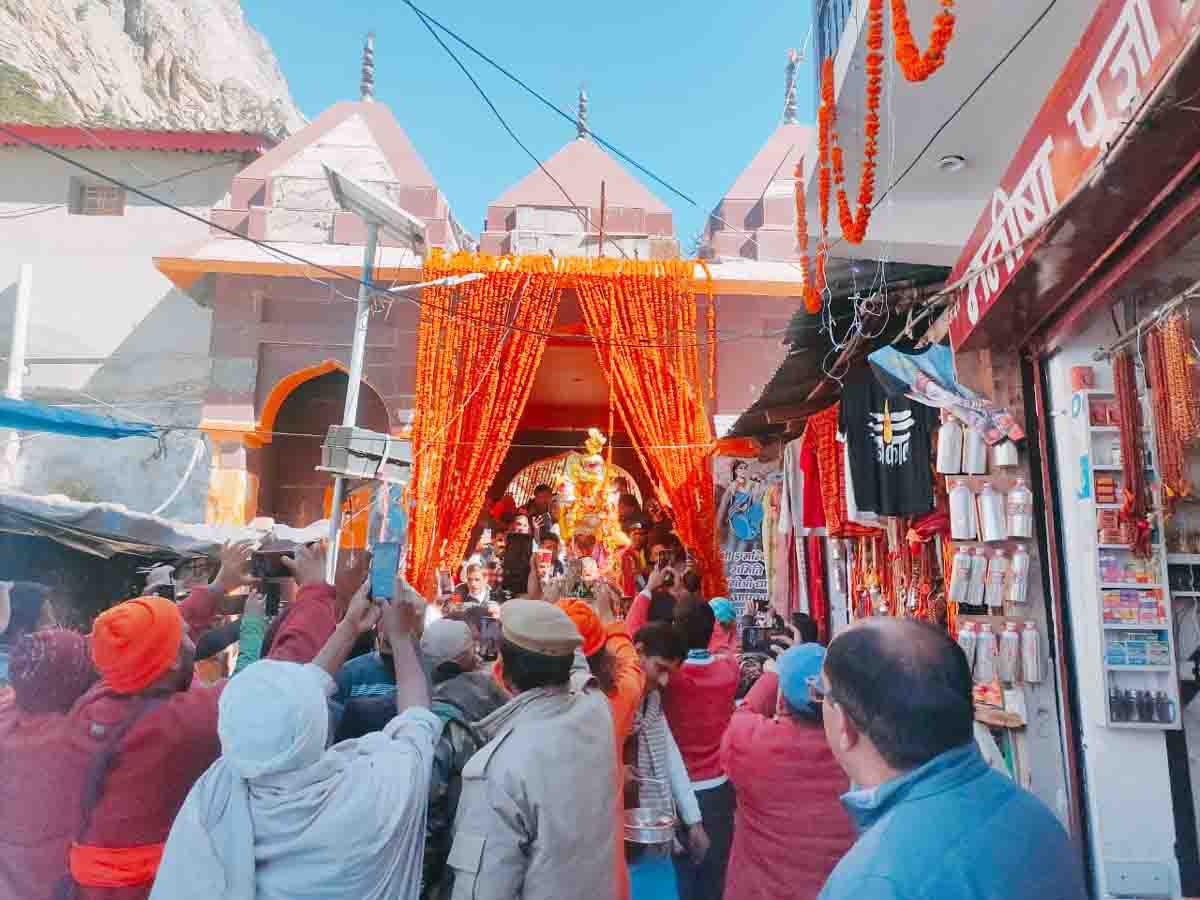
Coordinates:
279	815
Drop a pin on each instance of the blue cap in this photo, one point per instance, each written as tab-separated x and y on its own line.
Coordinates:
795	667
723	609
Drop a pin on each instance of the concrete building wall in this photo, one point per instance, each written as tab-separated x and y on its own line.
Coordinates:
96	294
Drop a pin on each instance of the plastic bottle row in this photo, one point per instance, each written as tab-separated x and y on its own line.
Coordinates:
990	515
963	451
989	577
1014	656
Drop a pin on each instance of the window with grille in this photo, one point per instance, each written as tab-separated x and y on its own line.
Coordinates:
97	199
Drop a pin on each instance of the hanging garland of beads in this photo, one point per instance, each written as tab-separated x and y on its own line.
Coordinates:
478	348
1133	459
1172	458
642	318
1177	343
915	65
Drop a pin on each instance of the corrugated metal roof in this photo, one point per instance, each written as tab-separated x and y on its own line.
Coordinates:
71	137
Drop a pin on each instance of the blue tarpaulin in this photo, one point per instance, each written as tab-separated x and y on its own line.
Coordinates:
24	415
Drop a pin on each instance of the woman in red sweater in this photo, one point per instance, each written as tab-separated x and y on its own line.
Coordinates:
698	702
791	828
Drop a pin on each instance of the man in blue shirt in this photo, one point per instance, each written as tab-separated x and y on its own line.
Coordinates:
935	823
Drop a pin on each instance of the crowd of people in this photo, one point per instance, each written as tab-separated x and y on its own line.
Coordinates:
497	740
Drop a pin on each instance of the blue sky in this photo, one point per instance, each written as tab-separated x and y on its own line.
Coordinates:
690	90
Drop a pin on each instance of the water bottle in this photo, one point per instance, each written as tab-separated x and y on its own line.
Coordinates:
978	583
985	655
1008	660
1031	654
974	453
1018	576
963	526
1020	510
967	638
960	575
997	578
993	525
950	446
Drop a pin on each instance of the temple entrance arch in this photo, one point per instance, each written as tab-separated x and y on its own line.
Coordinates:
295	420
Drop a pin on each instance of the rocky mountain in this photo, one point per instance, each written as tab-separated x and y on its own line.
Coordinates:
193	64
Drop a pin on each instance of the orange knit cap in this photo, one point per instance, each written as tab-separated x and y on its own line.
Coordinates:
135	642
588	623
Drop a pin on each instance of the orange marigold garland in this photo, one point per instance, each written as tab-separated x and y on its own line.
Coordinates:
915	65
642	318
812	289
474	374
854	226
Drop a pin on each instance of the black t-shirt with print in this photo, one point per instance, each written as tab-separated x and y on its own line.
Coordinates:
890	442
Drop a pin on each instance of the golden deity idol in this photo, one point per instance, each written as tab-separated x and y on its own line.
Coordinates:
587	501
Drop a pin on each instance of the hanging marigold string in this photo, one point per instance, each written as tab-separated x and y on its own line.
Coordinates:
813	290
1133	459
854	225
1168	438
915	65
642	318
478	348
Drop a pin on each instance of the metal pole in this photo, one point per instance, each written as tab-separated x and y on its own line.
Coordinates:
350	413
16	367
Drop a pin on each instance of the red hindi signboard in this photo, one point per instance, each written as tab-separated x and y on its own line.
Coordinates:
1124	53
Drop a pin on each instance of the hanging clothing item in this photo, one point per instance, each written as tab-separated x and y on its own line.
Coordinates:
812	504
890	444
928	377
822	431
853	513
818	599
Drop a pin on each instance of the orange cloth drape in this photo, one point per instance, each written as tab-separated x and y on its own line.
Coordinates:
642	318
479	346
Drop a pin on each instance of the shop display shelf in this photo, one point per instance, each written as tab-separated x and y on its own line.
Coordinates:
1108	505
1154	726
1118	667
1113	626
1120	546
1185	593
1127	586
1183	559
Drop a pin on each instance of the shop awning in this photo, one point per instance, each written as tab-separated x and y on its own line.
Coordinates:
106	529
25	415
1112	143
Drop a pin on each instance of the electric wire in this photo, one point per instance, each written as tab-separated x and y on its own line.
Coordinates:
584	216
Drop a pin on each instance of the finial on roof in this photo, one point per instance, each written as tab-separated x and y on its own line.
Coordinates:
368	68
581	122
790	116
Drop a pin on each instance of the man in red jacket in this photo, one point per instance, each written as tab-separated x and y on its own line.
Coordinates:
116	771
791	828
698	702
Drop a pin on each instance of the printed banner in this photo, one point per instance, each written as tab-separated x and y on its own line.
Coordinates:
741	486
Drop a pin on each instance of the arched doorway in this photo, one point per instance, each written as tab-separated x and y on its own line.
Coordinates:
550	470
292	491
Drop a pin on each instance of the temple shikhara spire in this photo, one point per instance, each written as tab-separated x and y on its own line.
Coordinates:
790	116
581	115
368	68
